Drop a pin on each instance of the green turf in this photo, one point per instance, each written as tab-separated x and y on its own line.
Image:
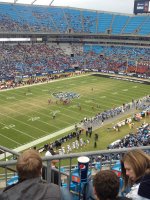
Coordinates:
25	114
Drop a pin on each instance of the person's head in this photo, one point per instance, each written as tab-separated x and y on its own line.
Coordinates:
29	164
106	185
54	162
134	164
52	153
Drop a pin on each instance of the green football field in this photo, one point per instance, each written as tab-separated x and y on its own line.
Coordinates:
26	115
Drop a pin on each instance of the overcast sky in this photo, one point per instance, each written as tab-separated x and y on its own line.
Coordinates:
121	6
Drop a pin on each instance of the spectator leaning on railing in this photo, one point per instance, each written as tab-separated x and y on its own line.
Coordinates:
30	185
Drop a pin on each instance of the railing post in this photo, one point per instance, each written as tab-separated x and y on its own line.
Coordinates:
6	176
48	171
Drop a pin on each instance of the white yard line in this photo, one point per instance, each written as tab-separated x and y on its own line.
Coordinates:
46	109
8	137
13	104
38	141
22	123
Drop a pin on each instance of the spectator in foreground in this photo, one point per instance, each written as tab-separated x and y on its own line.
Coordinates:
106	186
30	185
135	166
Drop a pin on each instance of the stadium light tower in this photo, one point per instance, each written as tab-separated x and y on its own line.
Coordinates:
36	0
33	2
51	2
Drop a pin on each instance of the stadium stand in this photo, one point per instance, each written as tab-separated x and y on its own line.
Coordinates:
134	23
93	50
89	21
119	21
54	57
63	20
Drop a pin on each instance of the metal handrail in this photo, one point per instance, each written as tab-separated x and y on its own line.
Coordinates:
48	159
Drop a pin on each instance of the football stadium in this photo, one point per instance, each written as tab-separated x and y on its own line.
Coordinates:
74	87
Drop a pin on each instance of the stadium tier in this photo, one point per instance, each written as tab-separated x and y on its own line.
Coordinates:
27	59
28	18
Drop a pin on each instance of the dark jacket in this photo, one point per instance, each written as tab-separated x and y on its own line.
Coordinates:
55	175
144	187
32	189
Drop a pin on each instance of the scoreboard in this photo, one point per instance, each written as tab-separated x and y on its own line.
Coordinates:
141	6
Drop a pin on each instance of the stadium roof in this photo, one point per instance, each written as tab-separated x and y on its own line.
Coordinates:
121	6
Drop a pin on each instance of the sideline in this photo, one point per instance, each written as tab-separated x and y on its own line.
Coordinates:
38	141
46	82
60	132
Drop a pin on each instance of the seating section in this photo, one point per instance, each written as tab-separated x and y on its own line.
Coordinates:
145	28
89	21
27	18
104	22
44	58
74	20
58	19
134	24
127	59
26	59
119	22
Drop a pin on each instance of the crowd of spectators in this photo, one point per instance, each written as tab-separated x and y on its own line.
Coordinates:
32	59
140	138
100	118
